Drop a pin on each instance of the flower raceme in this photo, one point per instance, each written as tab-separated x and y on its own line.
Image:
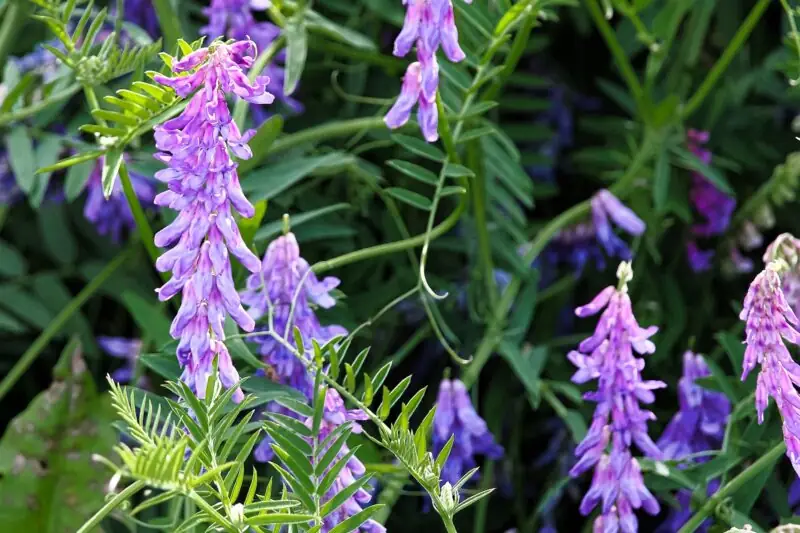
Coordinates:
619	420
769	321
203	185
429	24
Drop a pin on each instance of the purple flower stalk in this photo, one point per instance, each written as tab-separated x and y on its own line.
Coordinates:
429	24
619	420
698	426
203	185
113	216
456	416
713	205
769	321
126	349
283	293
335	414
234	19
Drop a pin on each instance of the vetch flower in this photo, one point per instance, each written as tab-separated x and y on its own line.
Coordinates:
456	416
698	426
203	185
113	216
283	293
619	420
334	415
126	349
411	94
769	321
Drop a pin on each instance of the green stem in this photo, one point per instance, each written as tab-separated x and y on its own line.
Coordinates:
95	520
58	322
25	112
570	216
765	461
142	224
620	58
170	24
94	104
241	106
13	18
727	56
514	55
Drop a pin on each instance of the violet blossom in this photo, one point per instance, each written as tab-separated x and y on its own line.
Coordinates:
619	420
128	350
112	216
334	415
234	19
203	185
713	205
429	24
769	321
698	426
143	14
455	416
585	241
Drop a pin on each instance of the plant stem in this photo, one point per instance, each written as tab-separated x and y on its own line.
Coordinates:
725	59
514	55
95	520
765	461
58	322
13	21
25	112
170	24
142	224
495	330
242	105
624	65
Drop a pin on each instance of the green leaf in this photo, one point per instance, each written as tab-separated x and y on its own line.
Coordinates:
527	366
661	178
411	198
111	165
49	482
12	263
22	158
268	182
453	170
355	521
266	134
318	24
56	234
266	390
419	147
149	316
272	229
296	52
164	364
414	171
25	306
692	162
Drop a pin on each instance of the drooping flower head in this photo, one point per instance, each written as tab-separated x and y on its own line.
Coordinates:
769	321
335	414
619	420
285	293
429	24
585	241
203	185
713	205
234	19
455	416
113	216
698	426
126	349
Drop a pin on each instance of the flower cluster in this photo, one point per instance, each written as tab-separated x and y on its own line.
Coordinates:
455	416
619	420
713	205
234	19
586	241
335	415
283	292
429	24
112	216
769	321
698	426
202	183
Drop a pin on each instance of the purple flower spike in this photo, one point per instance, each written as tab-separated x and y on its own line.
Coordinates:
335	414
203	185
608	356
113	216
606	208
456	416
770	321
698	426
